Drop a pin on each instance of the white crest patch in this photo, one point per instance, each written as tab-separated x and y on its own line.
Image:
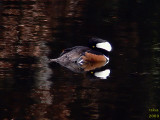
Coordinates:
104	45
103	74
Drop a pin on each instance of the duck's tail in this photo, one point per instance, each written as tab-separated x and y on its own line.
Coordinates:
53	60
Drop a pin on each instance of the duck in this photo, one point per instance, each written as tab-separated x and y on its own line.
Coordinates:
96	51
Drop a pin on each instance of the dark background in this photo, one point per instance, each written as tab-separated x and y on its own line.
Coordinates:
33	31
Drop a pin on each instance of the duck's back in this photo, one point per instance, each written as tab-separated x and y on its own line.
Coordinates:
71	54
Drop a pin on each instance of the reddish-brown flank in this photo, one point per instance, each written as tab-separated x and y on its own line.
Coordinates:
89	57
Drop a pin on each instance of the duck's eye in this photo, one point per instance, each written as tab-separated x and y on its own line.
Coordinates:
91	72
93	46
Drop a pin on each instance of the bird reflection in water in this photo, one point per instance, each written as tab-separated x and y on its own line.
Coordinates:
92	60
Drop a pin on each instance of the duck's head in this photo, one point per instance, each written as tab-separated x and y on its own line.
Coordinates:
101	74
97	43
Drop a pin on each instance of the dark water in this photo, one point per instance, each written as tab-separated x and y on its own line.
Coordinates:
32	32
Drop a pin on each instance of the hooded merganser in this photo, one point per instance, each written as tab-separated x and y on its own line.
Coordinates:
96	52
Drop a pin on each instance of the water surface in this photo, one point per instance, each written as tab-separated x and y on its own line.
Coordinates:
32	32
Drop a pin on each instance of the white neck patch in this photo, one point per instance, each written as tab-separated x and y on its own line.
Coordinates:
103	74
104	45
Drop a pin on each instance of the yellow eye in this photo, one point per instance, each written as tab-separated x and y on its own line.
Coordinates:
91	72
93	46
